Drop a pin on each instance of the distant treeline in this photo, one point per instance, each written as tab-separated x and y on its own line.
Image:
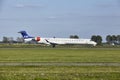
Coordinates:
110	39
11	40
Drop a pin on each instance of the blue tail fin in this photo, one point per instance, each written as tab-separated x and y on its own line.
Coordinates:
25	35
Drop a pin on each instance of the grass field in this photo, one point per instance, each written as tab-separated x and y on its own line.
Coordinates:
82	55
59	55
60	73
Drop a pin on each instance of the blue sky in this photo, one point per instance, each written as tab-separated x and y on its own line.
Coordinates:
60	18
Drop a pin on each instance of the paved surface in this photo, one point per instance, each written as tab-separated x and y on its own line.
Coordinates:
56	64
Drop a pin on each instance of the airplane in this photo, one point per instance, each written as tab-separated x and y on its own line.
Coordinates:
55	41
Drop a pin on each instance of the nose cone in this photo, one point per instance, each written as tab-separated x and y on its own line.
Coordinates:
94	43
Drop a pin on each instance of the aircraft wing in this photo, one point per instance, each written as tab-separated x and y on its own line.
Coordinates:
53	43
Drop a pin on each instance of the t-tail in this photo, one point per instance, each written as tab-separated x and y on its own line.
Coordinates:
25	35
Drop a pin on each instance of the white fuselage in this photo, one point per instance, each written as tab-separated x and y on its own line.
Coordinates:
66	41
55	41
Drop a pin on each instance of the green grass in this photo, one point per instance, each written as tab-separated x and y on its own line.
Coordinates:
60	73
59	55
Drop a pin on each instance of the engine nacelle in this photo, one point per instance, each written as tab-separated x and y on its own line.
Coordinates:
37	38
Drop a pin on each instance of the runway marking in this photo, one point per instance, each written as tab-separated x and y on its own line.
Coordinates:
56	64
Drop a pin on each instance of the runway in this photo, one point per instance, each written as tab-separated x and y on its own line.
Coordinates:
57	64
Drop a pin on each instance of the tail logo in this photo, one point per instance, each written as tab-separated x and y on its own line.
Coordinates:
25	35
